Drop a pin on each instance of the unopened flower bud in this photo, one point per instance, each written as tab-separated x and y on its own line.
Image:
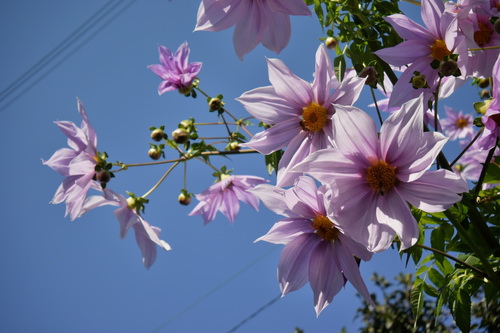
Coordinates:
103	176
215	104
180	135
448	67
193	136
484	83
155	154
157	135
186	123
418	81
496	26
371	75
485	94
234	145
331	43
184	199
185	90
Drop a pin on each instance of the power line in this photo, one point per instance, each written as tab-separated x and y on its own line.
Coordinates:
98	15
213	290
29	73
253	315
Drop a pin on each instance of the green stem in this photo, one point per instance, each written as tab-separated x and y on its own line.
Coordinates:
467	148
480	181
376	106
492	276
454	259
161	180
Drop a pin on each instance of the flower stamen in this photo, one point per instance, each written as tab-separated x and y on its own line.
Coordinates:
381	177
461	123
439	50
483	35
314	117
325	228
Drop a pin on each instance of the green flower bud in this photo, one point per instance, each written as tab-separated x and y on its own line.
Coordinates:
485	94
103	176
215	104
157	135
184	198
448	67
155	154
180	136
371	75
186	91
484	83
419	81
331	43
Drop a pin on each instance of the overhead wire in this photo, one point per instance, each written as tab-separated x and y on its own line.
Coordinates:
47	59
213	290
254	314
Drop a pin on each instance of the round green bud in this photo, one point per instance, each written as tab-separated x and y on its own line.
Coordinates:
180	136
103	176
485	94
418	81
484	83
157	135
154	153
331	43
371	75
215	104
448	67
185	90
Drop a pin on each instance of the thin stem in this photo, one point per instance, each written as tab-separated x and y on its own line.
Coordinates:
413	2
485	48
225	123
209	164
436	122
453	258
161	180
185	174
466	148
204	93
480	181
216	123
376	106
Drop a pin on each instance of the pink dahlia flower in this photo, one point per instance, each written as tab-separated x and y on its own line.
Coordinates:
299	111
175	70
373	178
257	21
457	125
317	248
422	46
146	235
491	118
76	164
224	196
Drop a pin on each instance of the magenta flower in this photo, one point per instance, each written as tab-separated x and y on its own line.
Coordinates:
299	111
146	235
317	248
421	46
175	70
457	125
373	178
257	21
77	163
491	118
224	196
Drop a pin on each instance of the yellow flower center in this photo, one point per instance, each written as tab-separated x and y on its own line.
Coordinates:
439	50
314	117
462	122
381	177
325	228
483	35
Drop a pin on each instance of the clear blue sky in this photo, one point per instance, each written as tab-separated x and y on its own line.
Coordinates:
63	276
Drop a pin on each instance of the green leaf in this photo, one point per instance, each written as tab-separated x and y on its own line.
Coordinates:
430	290
442	298
272	160
339	67
437	242
436	277
493	172
461	310
417	299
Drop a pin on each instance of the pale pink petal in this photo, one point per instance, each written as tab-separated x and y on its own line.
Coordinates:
350	269
249	29
404	53
290	7
434	191
355	132
394	212
286	230
230	205
323	75
266	106
294	262
273	199
289	86
302	198
432	11
324	276
276	137
217	15
408	29
348	92
277	33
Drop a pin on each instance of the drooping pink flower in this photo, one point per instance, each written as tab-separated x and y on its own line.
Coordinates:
457	125
491	118
146	235
317	249
175	70
422	46
373	178
257	21
77	163
224	196
299	111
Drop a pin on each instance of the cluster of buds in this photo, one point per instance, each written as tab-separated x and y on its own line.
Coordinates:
185	131
102	168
